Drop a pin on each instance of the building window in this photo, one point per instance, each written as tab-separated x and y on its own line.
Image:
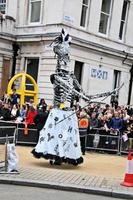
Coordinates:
117	76
35	11
116	84
123	19
84	13
105	16
78	68
3	6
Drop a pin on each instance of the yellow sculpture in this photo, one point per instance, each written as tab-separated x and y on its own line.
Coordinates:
22	89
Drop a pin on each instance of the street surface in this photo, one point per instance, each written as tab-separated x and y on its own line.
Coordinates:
14	192
95	164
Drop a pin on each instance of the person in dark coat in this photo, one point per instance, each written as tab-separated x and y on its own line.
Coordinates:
6	113
114	101
15	98
1	107
42	105
130	132
116	123
40	120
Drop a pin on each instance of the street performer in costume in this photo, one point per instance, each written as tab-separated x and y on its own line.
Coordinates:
59	139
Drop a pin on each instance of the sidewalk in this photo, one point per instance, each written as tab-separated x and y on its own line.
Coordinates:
75	179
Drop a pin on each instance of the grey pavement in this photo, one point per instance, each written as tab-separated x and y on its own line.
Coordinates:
69	181
33	193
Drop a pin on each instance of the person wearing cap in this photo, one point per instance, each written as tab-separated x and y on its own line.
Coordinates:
83	126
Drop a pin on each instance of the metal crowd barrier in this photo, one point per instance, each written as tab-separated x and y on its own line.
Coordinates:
6	138
99	139
30	139
21	138
126	145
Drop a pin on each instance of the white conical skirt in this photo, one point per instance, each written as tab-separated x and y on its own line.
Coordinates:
60	137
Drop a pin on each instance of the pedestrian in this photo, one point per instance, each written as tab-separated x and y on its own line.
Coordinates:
15	98
30	115
40	120
42	105
83	127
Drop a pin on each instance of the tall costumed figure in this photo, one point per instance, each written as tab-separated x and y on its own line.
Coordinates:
59	139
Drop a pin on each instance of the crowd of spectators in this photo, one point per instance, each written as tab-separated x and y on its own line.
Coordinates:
10	109
108	120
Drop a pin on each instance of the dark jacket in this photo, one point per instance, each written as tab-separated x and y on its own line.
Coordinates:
40	120
116	123
6	114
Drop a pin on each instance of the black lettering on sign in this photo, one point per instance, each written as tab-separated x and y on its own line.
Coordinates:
56	149
64	116
50	125
64	143
50	137
75	144
56	119
69	118
60	136
42	139
70	129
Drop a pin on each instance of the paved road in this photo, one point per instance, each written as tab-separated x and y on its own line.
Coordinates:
11	192
95	164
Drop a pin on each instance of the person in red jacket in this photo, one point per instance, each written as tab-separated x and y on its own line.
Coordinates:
31	115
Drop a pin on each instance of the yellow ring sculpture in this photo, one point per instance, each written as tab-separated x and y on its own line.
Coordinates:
22	90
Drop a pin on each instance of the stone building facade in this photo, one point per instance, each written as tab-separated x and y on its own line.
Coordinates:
101	49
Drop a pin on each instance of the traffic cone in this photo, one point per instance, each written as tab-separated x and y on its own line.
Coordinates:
128	180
